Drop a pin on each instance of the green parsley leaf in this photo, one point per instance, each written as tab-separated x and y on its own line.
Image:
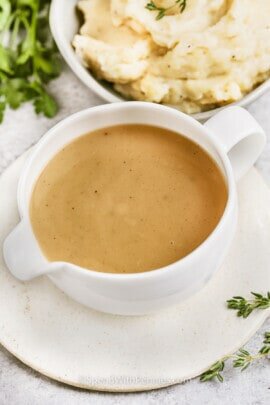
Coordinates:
28	56
5	9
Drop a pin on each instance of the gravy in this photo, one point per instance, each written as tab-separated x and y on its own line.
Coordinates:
127	199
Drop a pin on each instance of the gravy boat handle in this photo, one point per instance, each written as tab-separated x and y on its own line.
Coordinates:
22	254
241	137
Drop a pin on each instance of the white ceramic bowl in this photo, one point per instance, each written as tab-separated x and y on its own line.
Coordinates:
240	141
64	23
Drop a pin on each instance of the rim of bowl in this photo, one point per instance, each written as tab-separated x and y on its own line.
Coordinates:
104	90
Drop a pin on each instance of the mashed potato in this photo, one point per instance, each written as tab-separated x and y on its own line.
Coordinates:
212	54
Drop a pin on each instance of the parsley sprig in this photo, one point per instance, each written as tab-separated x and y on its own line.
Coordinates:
242	359
28	56
162	11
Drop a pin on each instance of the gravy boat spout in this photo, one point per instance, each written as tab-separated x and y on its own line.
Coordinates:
23	256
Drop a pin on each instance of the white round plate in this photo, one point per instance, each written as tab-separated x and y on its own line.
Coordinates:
84	348
64	29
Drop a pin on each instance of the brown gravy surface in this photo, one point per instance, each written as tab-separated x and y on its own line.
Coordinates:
127	199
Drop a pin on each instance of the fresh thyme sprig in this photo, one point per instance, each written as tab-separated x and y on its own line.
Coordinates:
214	371
245	307
162	11
242	359
266	348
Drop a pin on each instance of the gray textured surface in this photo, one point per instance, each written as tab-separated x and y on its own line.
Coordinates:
21	385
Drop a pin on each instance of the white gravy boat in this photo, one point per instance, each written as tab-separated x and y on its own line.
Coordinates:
232	137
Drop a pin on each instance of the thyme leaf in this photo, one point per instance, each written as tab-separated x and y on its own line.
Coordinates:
162	11
244	307
242	359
